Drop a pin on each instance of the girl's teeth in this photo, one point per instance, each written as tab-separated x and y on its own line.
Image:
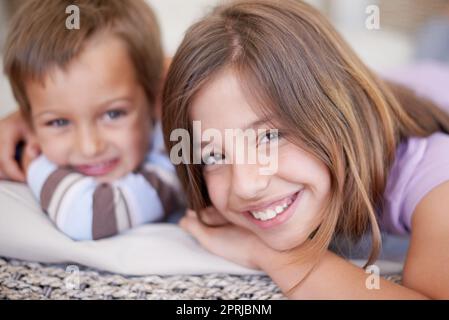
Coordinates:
271	213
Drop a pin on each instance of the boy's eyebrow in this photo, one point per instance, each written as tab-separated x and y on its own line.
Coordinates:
108	101
102	104
40	114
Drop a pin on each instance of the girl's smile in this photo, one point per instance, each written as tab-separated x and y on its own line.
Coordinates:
276	213
271	206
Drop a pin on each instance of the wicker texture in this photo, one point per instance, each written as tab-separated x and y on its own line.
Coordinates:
37	281
27	280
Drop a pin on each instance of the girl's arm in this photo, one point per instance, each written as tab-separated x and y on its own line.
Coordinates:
427	265
332	278
425	272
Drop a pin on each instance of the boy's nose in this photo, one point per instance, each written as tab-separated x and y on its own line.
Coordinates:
247	182
90	142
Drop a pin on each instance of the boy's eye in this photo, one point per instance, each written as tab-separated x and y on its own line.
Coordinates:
114	114
57	123
213	158
269	136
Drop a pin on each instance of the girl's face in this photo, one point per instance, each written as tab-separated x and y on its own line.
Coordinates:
283	208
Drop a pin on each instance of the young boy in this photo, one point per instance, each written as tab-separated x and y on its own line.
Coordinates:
89	95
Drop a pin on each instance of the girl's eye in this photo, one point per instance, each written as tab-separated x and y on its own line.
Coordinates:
269	136
58	123
212	159
114	114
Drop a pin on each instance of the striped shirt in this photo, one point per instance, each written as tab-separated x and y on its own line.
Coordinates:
84	209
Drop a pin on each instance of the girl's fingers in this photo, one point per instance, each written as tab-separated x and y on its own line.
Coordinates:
8	165
12	170
230	242
193	226
212	217
188	221
190	213
3	176
31	152
32	146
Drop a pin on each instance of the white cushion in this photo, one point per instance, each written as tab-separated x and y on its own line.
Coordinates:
163	248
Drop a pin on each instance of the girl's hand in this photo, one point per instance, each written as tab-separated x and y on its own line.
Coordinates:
245	248
223	239
210	216
13	129
30	152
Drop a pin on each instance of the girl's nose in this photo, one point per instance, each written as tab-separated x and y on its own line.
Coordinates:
247	182
90	142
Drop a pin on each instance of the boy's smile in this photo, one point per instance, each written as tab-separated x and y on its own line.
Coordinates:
93	116
97	169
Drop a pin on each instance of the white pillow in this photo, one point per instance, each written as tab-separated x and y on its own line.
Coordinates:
163	248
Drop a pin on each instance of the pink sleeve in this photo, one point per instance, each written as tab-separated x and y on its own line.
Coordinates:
421	165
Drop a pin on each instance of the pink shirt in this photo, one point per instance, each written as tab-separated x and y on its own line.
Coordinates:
421	164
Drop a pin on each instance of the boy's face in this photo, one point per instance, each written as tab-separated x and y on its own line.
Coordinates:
94	115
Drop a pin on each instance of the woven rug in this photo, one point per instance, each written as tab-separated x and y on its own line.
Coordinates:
29	280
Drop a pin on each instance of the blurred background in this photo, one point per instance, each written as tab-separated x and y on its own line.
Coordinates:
409	30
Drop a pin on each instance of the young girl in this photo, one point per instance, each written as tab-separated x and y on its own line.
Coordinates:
355	153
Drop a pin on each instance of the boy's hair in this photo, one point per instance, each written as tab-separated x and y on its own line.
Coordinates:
39	40
299	72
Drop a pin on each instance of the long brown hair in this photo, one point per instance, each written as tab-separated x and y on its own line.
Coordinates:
305	76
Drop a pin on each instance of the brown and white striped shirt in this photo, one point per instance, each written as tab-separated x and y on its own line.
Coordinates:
87	210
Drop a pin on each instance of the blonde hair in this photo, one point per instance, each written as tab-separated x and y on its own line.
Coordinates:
307	79
39	40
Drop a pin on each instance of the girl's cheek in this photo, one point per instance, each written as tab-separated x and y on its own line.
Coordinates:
215	188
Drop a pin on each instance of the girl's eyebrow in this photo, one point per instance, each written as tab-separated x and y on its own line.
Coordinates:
252	125
257	123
